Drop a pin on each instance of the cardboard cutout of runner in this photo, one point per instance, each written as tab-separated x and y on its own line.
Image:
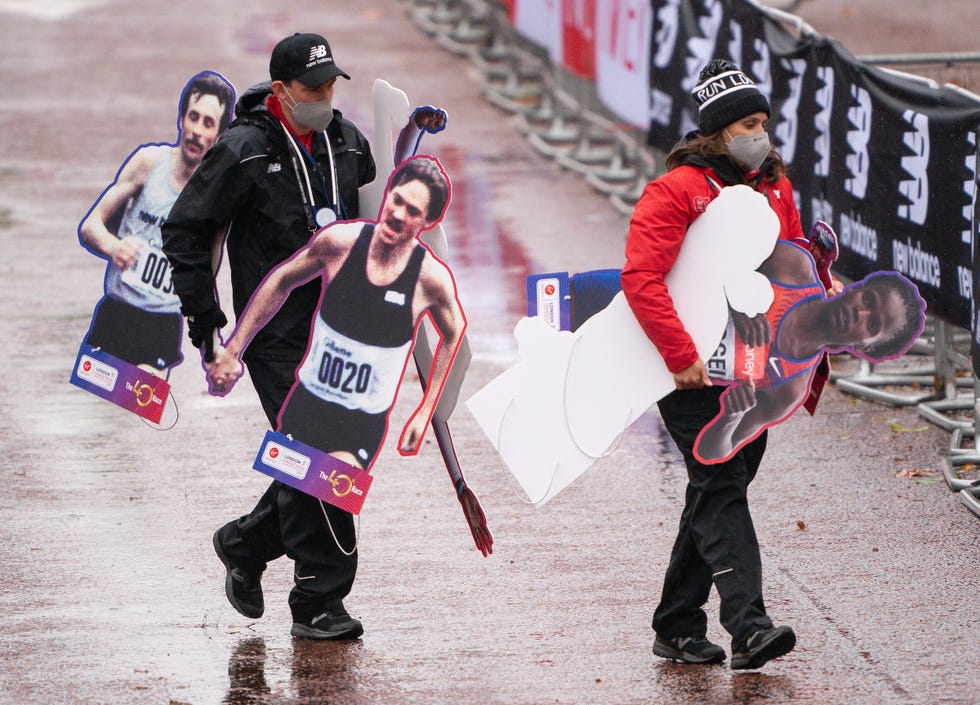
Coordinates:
573	395
379	282
768	361
135	334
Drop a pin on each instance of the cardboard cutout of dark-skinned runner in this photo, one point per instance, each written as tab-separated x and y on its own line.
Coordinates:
758	313
135	335
379	282
768	361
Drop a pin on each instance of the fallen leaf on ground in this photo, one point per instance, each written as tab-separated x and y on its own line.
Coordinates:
926	472
800	525
899	428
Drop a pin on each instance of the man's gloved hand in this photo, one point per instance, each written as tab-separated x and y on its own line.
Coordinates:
201	328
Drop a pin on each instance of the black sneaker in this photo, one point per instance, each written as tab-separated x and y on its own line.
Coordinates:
764	645
334	624
688	649
244	590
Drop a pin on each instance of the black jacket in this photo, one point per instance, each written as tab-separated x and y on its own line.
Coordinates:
247	184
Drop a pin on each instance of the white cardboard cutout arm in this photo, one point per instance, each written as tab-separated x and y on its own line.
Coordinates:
392	110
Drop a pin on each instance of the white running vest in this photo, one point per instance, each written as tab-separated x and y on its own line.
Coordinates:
147	284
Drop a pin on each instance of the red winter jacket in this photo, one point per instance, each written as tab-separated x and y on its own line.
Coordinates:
659	223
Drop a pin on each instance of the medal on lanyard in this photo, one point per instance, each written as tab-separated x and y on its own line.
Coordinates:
325	216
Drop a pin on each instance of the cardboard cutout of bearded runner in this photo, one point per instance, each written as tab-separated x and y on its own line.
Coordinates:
759	316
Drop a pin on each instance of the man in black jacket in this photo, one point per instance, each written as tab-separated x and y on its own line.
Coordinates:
288	165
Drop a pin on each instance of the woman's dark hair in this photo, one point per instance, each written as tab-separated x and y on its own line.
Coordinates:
710	148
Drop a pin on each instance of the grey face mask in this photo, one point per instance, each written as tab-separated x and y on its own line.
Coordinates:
750	150
316	115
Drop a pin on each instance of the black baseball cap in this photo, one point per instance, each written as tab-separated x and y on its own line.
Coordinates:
304	57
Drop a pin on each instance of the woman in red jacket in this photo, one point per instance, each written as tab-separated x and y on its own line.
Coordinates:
716	542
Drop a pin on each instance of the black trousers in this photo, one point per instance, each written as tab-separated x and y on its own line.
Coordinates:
716	542
288	522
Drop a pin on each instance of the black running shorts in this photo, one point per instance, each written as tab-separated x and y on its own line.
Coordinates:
330	427
136	336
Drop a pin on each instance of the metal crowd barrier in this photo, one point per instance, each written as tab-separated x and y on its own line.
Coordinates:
563	120
559	113
930	386
953	402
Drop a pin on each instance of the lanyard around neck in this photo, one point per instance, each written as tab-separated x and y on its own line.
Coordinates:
306	186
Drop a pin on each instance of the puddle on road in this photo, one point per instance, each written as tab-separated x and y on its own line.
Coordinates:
489	264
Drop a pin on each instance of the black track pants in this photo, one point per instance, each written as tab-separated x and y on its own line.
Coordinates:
716	541
288	522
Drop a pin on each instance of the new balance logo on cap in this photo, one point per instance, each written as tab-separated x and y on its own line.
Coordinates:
317	52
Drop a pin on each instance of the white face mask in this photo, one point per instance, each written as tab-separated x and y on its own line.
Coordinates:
316	115
750	150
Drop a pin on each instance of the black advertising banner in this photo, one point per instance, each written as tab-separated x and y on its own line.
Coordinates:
900	179
975	281
888	160
689	34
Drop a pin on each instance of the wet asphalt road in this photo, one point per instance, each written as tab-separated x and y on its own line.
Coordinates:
110	591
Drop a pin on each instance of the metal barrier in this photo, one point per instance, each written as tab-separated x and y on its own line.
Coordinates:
931	387
559	113
563	120
945	406
960	69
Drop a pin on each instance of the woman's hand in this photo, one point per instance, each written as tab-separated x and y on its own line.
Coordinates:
694	377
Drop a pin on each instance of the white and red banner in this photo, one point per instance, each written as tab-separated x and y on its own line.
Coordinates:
622	58
539	21
578	36
604	40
